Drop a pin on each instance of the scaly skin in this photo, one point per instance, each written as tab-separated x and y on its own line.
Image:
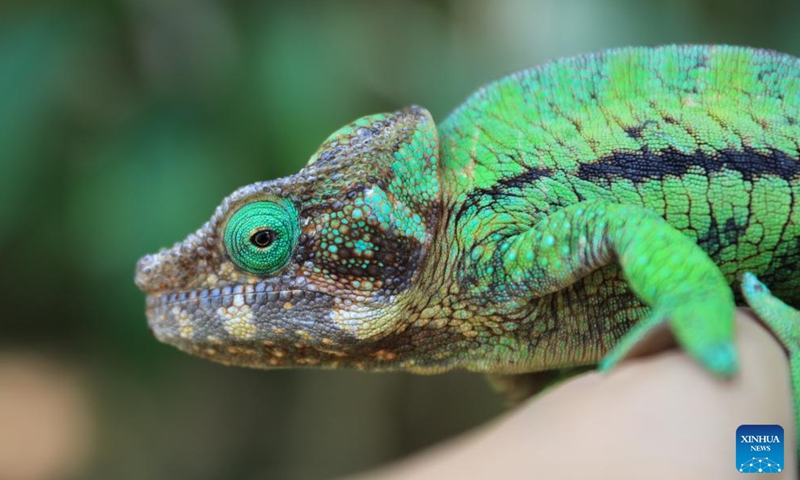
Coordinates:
558	216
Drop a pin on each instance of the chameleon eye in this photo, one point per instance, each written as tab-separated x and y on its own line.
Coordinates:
261	236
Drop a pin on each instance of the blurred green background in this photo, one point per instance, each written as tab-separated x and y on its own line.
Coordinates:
123	124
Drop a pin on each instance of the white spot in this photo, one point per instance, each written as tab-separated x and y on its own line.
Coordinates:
238	300
185	325
238	321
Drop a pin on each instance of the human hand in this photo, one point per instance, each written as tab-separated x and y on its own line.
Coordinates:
653	417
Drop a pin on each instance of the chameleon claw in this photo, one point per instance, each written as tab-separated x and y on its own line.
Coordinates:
752	285
608	362
721	359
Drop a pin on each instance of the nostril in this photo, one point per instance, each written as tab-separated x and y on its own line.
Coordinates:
145	271
144	262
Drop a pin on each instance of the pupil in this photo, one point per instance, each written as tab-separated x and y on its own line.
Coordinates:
263	238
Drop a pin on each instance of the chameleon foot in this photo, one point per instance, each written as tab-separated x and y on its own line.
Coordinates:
719	357
783	321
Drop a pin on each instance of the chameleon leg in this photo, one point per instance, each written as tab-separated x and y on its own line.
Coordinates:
783	321
663	267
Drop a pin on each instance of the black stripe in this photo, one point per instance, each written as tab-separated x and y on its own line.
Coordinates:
502	187
646	165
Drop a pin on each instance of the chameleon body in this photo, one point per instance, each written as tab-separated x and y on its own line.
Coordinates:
555	219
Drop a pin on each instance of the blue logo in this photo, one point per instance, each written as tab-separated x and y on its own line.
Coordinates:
759	449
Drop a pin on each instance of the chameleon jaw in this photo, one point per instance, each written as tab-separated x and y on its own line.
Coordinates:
260	325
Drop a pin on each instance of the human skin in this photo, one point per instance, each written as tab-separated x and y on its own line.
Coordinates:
656	417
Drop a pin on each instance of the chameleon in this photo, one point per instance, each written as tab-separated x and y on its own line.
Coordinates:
557	219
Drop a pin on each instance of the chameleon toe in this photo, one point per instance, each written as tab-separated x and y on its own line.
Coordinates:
721	359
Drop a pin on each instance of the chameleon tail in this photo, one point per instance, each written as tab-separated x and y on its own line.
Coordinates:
783	321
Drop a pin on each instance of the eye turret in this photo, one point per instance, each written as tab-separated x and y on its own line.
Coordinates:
261	236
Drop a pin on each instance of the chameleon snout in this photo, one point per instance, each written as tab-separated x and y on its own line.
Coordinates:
147	273
165	271
160	272
180	267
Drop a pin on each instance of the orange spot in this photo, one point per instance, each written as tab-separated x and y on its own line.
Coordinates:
385	355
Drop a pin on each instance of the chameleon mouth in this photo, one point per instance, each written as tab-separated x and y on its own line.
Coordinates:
225	297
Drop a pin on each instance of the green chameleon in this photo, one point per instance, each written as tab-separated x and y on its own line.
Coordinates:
554	220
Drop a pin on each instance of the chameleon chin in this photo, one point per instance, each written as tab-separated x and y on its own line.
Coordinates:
552	221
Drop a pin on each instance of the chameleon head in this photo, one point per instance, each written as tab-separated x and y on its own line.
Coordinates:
310	269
